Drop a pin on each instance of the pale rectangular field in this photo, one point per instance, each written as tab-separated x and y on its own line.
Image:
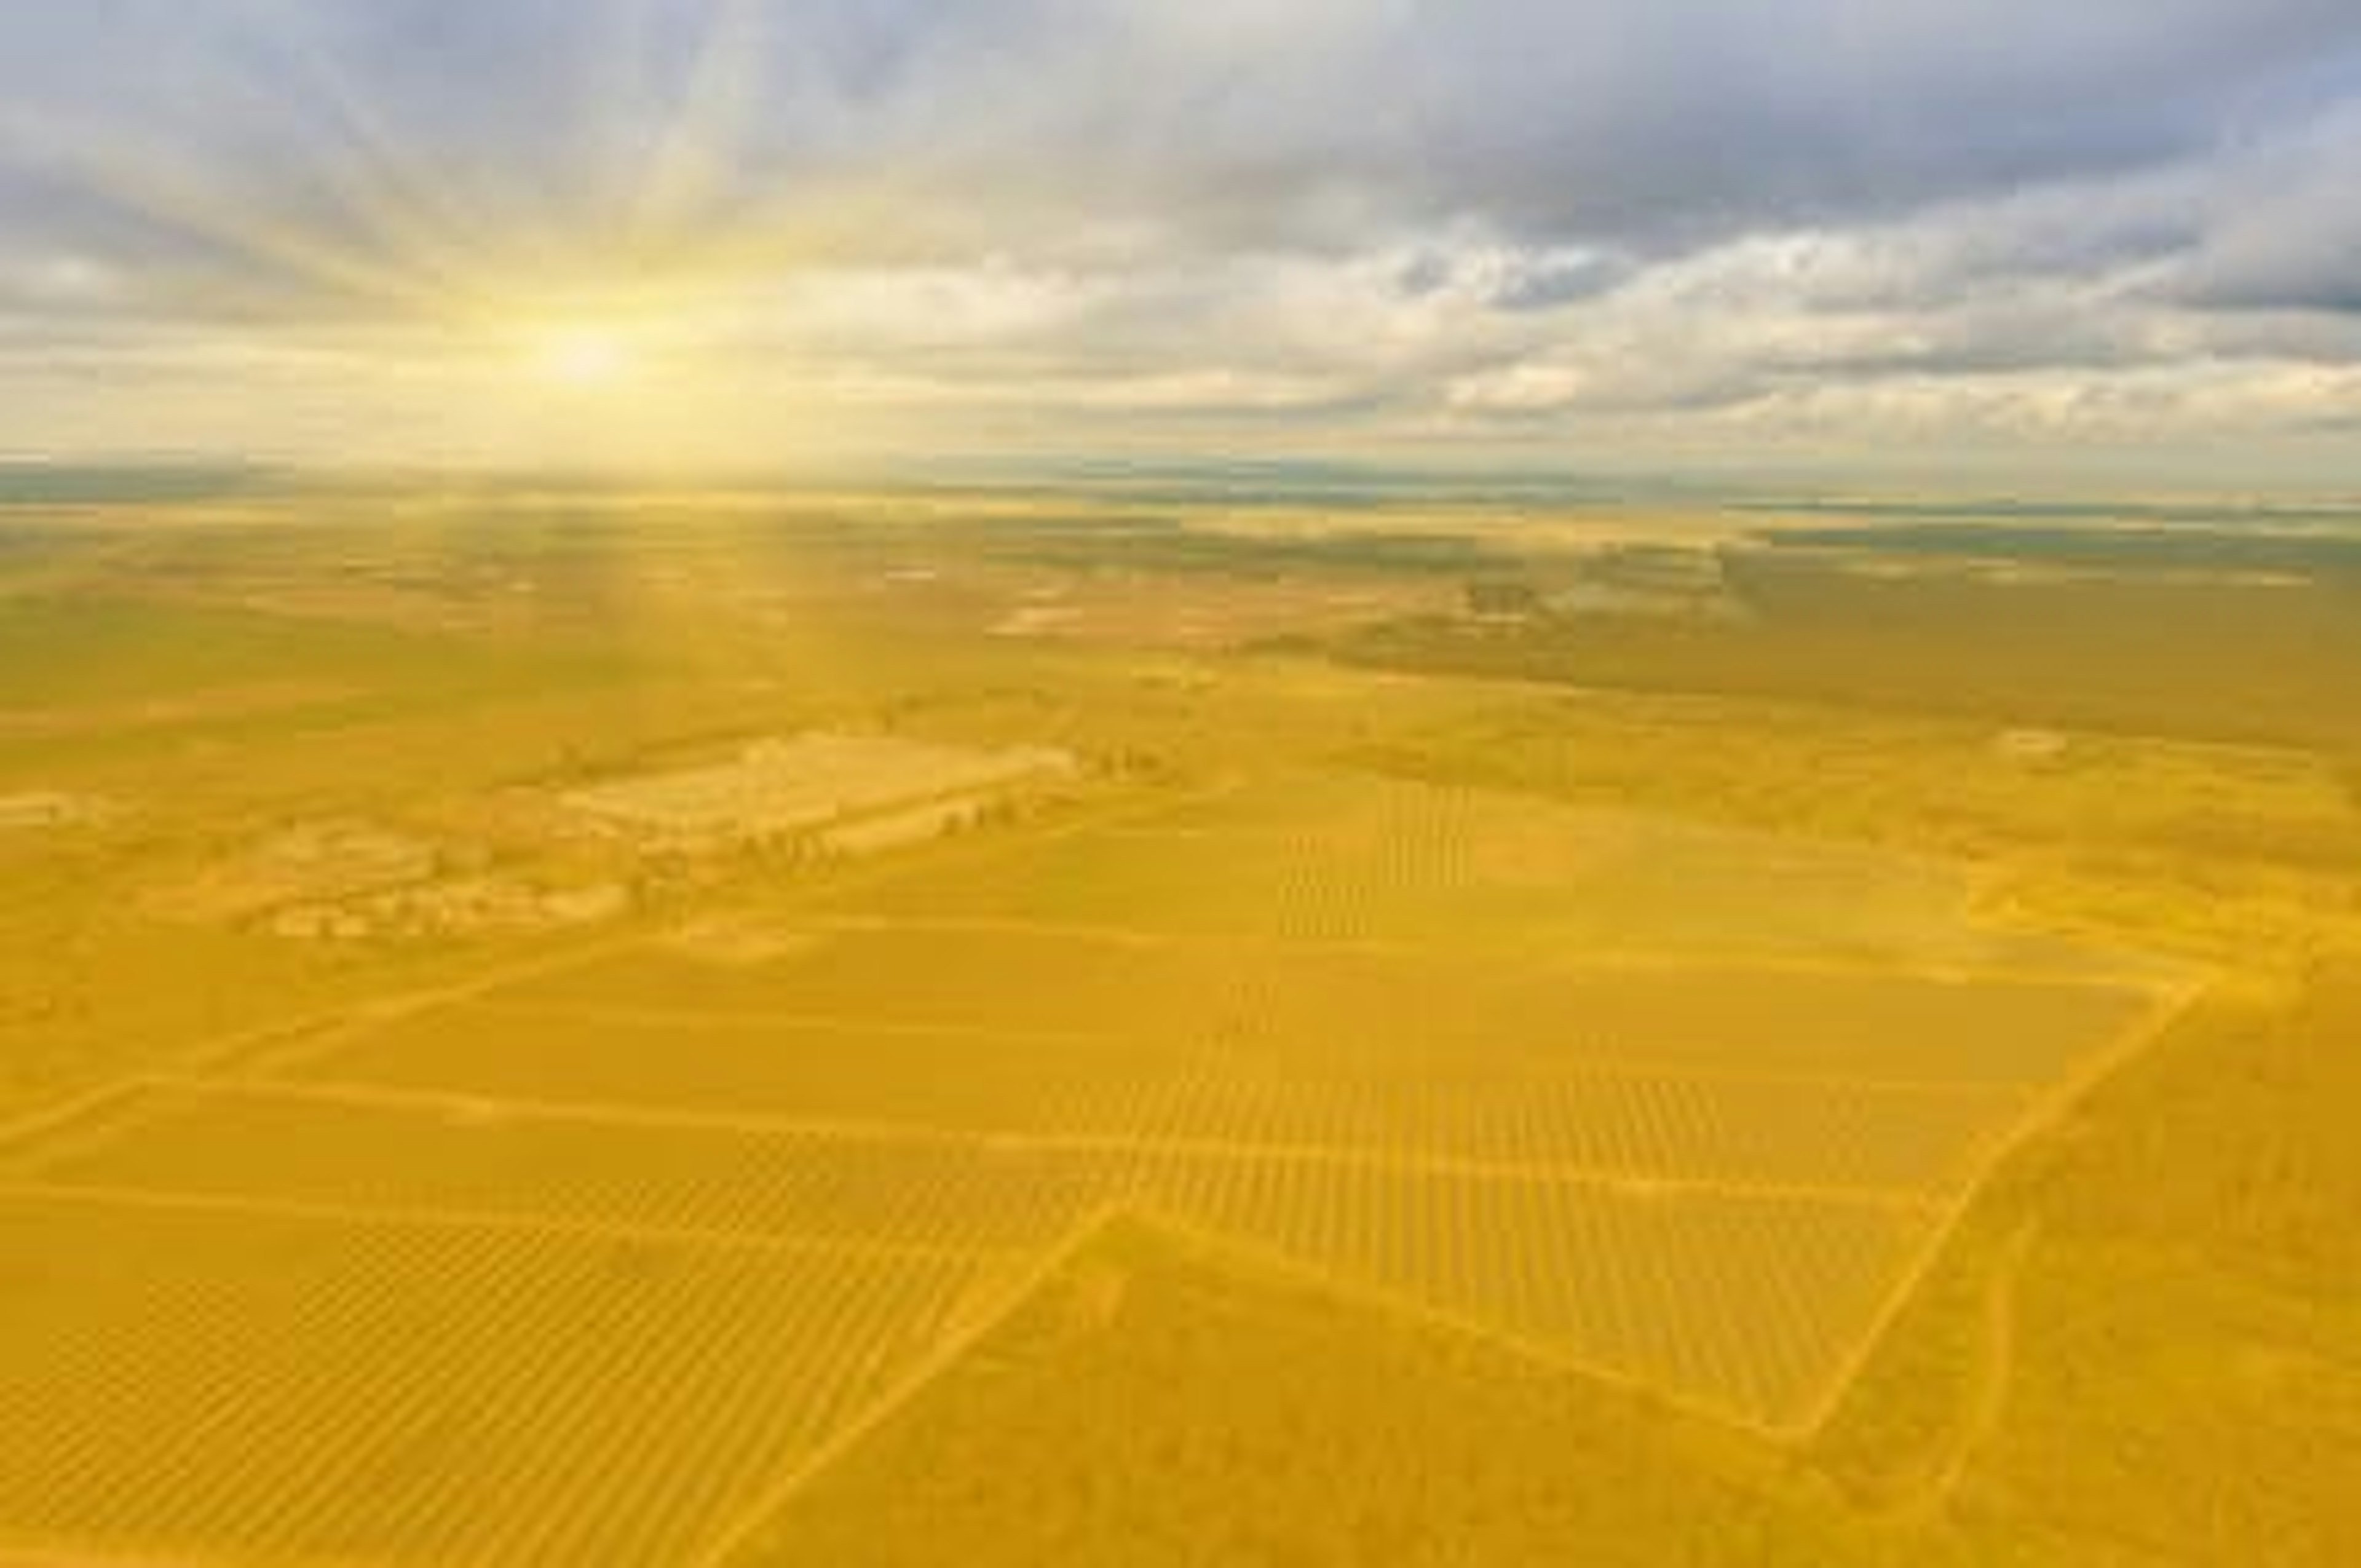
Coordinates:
601	1171
1638	1123
785	786
1742	1302
1346	858
1381	1010
179	1383
1748	1306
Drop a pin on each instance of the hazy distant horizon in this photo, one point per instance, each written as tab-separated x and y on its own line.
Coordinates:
32	481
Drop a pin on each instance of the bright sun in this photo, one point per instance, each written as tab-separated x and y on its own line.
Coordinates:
584	356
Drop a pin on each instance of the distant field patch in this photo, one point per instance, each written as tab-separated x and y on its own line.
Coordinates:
1346	859
1637	1123
27	810
815	783
1358	1010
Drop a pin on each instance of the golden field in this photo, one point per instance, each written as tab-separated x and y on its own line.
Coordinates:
689	1030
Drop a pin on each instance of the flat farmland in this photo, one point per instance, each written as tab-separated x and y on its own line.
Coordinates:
1340	857
780	787
183	1380
575	1263
1371	1009
614	1029
1735	1295
1624	1114
952	1058
602	1173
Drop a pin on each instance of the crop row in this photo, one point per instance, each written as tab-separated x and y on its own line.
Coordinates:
1743	1301
264	1387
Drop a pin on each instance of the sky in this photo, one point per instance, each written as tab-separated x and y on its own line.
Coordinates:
2018	239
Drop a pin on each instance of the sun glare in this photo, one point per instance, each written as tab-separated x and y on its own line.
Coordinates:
584	356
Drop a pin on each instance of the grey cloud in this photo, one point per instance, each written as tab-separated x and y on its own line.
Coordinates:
2285	225
1513	279
1646	122
1678	204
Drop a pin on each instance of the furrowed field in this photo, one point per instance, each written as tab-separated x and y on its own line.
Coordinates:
684	1024
1670	1160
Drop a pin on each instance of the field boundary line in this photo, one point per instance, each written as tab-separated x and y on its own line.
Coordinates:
28	1144
1006	1299
2135	1042
1985	1402
1634	1185
1368	1295
1602	959
56	1553
368	1017
1124	801
302	1036
308	1035
489	1222
751	1022
737	1535
1601	1065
